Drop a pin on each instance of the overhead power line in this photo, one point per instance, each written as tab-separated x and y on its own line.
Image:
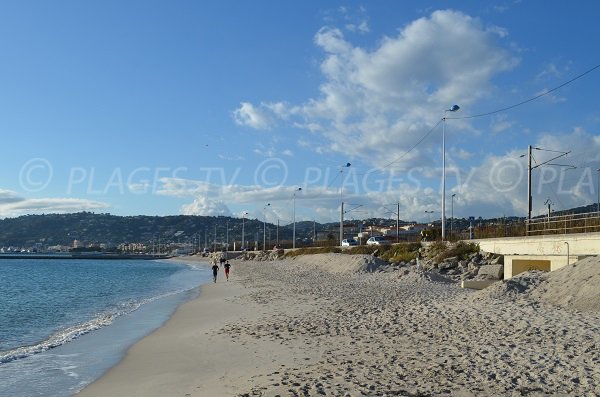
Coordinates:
407	152
479	115
527	100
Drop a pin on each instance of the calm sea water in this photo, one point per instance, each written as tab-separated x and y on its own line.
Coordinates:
65	322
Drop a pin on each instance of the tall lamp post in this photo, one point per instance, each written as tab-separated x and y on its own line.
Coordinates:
598	188
227	237
429	215
342	203
452	216
294	228
454	108
243	219
265	226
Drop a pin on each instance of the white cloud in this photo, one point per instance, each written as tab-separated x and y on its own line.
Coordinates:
250	116
207	207
9	197
501	123
550	71
362	27
548	96
13	205
501	32
375	103
496	187
463	154
500	182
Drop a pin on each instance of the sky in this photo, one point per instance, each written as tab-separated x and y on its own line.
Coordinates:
266	109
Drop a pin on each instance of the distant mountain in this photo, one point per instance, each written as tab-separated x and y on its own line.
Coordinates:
90	228
111	230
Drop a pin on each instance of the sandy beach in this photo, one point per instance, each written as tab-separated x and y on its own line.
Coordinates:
334	325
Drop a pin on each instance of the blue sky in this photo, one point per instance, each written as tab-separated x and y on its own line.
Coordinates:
218	108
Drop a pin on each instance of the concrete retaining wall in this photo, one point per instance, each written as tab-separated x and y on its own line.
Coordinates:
579	244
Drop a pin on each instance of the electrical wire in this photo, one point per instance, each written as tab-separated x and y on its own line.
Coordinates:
407	152
334	179
527	100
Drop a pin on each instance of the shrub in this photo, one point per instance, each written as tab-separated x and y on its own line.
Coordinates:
403	252
461	250
312	251
436	248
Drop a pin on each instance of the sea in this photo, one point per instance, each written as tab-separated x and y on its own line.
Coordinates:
64	322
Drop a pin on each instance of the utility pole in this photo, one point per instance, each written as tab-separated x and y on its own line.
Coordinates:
215	239
398	223
530	168
294	227
227	237
341	223
314	232
452	216
265	226
278	232
528	191
243	236
598	188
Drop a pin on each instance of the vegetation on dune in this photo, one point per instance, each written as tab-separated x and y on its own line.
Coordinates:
312	251
403	252
392	253
440	250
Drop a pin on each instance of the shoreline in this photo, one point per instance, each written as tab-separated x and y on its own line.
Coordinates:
159	368
321	325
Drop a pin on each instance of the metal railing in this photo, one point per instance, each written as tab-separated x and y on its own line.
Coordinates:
564	224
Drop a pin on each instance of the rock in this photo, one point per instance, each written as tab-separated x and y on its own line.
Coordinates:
498	260
450	263
493	272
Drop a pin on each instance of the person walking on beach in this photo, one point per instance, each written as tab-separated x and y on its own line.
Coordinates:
215	269
226	266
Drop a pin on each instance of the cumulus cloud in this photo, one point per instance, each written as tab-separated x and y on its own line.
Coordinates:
375	103
249	115
206	207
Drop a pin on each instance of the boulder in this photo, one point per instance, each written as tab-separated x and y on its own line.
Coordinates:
493	272
497	260
450	263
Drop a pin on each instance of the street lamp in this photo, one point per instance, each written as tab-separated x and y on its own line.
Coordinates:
598	188
265	226
429	215
294	228
243	219
454	108
342	204
227	237
452	215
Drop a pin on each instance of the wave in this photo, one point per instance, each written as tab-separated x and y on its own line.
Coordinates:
68	334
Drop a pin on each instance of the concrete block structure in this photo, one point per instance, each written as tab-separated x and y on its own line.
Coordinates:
545	253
